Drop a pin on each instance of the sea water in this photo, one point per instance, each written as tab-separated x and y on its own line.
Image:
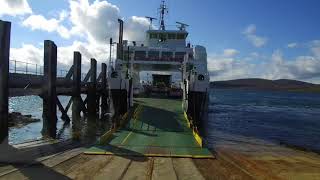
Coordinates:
283	117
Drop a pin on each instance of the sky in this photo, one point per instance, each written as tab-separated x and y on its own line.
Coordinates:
269	39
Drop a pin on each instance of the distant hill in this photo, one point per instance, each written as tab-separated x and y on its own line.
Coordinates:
264	84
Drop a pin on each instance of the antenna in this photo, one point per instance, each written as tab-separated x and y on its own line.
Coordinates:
150	19
182	26
163	10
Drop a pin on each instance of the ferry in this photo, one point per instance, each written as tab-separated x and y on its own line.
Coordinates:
164	53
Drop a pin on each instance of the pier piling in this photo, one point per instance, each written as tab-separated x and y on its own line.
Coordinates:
48	86
5	29
49	94
104	91
92	91
76	90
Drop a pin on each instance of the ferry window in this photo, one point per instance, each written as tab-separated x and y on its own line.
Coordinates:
140	55
154	55
167	56
181	36
180	56
126	56
153	36
190	56
162	37
171	36
201	77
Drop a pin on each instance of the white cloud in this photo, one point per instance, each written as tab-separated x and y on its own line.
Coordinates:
14	7
27	53
315	48
94	22
292	45
225	66
306	68
135	28
99	21
230	52
250	33
32	54
38	22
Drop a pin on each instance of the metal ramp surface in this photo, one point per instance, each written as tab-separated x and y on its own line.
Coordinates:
157	128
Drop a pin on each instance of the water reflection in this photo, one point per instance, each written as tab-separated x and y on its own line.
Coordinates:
84	128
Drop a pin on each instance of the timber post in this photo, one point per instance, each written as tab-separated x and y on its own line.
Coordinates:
76	94
5	29
92	91
104	97
49	94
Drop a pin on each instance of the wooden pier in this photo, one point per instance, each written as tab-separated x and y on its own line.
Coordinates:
48	86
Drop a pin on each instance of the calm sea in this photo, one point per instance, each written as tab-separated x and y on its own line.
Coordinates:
279	117
290	118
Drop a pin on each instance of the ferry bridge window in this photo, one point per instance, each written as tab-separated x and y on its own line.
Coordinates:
153	36
154	55
171	36
162	37
181	36
201	77
167	56
179	56
140	55
126	56
190	56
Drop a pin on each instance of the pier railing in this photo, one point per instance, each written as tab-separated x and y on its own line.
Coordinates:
21	67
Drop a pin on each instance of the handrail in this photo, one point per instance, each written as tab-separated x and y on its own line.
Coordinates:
21	67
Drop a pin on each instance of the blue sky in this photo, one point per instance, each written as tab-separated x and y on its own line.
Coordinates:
249	38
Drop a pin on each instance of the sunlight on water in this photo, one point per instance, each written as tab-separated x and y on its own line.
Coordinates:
32	105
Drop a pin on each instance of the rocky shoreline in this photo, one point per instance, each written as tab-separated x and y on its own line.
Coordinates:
18	120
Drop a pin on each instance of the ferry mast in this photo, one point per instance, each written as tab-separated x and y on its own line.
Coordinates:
163	10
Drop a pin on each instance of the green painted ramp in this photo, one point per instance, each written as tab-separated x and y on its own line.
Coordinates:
157	128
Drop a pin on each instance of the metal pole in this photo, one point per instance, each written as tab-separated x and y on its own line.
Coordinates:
110	51
15	66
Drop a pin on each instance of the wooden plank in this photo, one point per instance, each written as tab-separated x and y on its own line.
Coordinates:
114	169
185	169
72	164
88	75
137	169
90	168
62	157
70	72
163	169
64	112
48	161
